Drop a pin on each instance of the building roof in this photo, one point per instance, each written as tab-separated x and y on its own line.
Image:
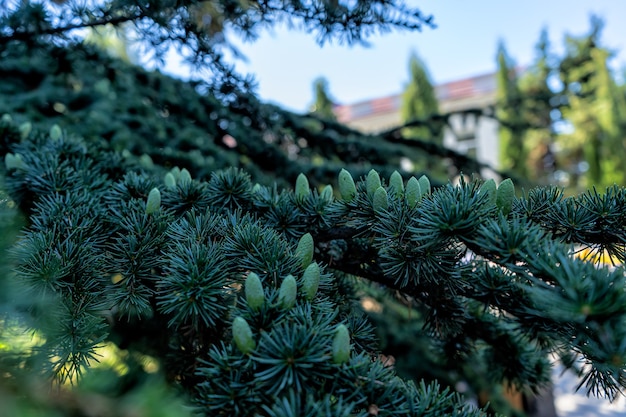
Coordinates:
454	95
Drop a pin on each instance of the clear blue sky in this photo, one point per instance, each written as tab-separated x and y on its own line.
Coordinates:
286	62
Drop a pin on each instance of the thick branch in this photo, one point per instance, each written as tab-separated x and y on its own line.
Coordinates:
27	35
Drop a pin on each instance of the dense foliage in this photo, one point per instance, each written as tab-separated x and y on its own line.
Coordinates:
159	264
139	112
161	272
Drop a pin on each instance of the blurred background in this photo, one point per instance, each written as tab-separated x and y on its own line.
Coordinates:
544	82
464	44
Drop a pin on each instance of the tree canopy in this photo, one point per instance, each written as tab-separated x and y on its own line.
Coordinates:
200	30
513	150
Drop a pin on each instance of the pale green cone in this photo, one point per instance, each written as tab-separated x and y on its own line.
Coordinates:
372	182
380	201
242	335
255	297
302	187
305	249
347	188
311	281
341	345
397	184
413	192
505	196
288	292
154	201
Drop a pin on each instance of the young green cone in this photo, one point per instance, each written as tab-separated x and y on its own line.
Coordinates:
341	345
347	188
12	161
413	192
242	335
146	161
176	173
424	185
372	182
302	187
185	176
255	296
397	184
25	129
288	292
489	188
380	201
55	132
154	201
170	181
304	250
505	196
311	281
327	192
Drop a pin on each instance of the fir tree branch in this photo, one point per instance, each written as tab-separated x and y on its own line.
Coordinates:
23	35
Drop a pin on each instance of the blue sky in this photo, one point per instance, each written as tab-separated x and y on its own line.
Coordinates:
286	62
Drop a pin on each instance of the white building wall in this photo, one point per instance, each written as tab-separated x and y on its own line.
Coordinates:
474	135
488	149
468	133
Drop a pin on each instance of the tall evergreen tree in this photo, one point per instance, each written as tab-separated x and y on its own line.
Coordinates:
419	103
581	115
538	101
323	105
593	109
513	150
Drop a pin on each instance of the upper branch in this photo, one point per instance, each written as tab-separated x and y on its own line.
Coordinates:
24	35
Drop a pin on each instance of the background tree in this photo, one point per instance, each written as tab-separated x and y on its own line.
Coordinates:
323	105
419	103
570	103
420	109
593	110
538	101
513	149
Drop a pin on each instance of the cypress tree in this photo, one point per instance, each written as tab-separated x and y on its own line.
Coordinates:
419	103
420	110
538	100
513	150
323	105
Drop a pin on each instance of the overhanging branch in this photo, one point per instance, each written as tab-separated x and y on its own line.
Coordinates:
110	20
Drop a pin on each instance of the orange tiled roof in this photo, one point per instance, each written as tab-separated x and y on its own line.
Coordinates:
450	91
